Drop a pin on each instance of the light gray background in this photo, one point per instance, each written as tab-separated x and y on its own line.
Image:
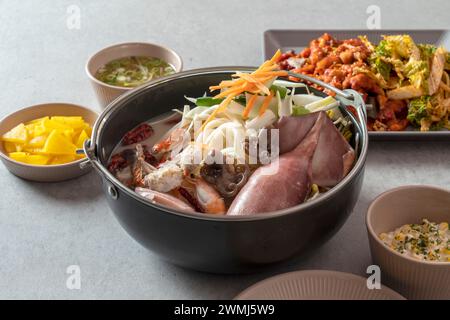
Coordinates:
44	228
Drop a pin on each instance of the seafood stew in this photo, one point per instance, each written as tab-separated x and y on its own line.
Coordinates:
214	242
274	139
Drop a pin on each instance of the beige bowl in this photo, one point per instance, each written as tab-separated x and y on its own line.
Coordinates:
106	92
316	285
415	279
50	173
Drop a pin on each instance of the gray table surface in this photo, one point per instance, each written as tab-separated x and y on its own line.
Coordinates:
44	228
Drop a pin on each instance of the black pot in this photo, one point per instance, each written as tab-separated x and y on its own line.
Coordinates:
219	244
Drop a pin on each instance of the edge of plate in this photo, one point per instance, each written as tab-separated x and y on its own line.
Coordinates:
312	273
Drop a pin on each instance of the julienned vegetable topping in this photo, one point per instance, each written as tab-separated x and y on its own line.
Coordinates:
426	241
47	140
133	71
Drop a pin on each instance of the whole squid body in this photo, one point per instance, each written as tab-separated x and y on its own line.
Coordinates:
312	150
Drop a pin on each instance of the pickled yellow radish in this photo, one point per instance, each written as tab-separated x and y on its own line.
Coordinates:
18	134
73	122
39	120
37	142
80	141
58	143
88	129
48	140
10	147
63	159
34	151
18	156
36	159
30	128
48	125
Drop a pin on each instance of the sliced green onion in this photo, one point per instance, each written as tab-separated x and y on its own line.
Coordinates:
299	111
207	101
322	105
281	90
241	100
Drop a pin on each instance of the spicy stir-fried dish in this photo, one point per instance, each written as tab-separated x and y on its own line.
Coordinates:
403	83
256	146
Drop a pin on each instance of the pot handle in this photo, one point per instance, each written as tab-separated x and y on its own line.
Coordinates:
356	101
91	157
346	97
328	86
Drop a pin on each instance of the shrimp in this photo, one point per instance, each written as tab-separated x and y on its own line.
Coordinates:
202	196
141	168
209	198
164	199
176	138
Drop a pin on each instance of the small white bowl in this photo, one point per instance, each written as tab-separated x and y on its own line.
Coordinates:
413	278
106	92
47	173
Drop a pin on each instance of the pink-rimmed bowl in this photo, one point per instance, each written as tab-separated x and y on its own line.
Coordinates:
44	173
413	278
105	92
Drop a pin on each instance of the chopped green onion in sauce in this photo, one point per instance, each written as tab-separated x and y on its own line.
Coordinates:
133	71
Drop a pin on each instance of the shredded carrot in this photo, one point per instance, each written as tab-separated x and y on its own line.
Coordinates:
269	64
256	91
213	88
263	88
226	83
269	68
245	76
276	56
264	79
222	106
249	107
260	78
266	103
254	83
257	83
266	64
272	73
225	93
